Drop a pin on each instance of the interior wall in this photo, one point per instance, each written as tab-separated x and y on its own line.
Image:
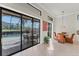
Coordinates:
70	25
22	9
66	24
44	17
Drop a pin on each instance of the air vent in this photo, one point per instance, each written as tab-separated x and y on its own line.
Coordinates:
33	7
50	18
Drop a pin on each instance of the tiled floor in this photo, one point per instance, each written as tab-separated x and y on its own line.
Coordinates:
59	49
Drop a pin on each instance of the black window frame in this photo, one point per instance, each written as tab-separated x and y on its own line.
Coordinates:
35	20
2	8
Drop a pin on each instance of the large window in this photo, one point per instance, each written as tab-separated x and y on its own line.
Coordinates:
18	32
11	32
36	31
26	32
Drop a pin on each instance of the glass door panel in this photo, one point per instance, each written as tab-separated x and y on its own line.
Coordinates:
16	34
26	33
11	33
36	31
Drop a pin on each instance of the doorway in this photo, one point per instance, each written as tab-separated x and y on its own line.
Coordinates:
49	29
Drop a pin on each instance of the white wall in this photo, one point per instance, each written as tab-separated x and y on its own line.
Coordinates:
44	17
22	9
70	24
67	24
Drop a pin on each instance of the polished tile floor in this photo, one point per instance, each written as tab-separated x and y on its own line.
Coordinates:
59	49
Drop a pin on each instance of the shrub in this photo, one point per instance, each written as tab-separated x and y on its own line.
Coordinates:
46	39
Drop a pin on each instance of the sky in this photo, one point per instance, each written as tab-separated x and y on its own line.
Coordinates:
17	20
8	19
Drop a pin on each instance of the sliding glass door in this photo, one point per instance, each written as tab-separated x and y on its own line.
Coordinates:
26	32
36	31
11	32
18	32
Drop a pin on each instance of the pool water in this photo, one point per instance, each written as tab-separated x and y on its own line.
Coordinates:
11	35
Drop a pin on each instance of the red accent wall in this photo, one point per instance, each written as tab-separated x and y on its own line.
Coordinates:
45	26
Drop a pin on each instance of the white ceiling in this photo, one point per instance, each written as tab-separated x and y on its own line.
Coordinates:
56	8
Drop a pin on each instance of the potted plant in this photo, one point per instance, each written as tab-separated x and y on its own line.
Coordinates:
46	39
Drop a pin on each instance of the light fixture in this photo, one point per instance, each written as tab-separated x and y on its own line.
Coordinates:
63	26
62	16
